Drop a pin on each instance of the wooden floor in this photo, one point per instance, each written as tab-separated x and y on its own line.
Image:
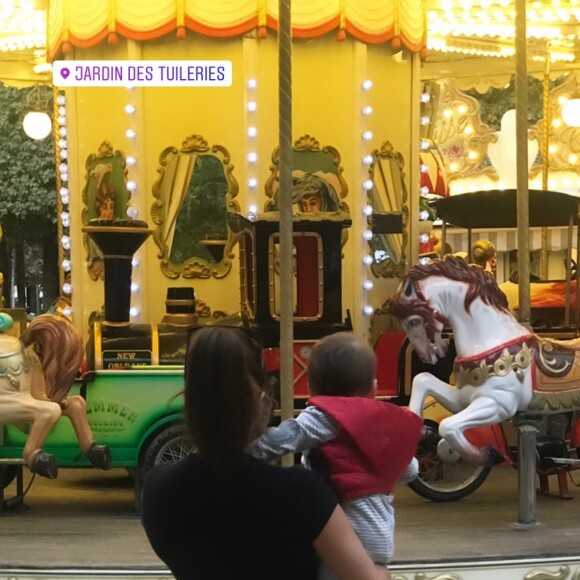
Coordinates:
86	519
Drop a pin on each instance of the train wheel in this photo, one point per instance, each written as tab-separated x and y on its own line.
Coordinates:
443	481
168	446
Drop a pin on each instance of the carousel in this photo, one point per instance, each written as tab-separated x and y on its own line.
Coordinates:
364	157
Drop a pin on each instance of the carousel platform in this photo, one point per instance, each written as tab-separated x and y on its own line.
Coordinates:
84	525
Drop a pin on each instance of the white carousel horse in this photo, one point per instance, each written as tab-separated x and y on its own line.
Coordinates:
36	373
501	367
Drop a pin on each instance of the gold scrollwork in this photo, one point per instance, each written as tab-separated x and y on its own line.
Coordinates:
501	367
388	194
195	190
564	140
104	196
561	574
314	167
461	136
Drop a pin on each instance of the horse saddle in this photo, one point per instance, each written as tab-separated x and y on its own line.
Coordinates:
556	359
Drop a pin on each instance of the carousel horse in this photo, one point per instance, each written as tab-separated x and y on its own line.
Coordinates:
501	367
36	373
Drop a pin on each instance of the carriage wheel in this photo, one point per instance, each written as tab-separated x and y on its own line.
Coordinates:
442	481
168	446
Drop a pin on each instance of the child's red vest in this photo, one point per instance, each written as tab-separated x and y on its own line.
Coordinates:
373	448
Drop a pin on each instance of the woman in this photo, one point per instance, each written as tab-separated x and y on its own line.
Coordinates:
220	514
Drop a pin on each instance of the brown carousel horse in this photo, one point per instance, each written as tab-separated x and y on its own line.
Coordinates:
36	374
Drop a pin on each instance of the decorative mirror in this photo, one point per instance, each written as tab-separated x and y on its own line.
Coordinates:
105	196
388	195
194	192
318	184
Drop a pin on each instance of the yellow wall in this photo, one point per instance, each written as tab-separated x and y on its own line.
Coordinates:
327	77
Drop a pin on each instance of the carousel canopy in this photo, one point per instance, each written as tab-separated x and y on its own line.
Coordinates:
85	23
498	209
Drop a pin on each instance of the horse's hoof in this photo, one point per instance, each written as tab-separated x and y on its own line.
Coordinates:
99	456
45	465
492	456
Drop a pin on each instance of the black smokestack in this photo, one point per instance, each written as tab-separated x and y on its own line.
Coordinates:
118	241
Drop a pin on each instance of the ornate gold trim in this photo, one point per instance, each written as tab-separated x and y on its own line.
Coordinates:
389	268
501	367
194	267
460	135
94	258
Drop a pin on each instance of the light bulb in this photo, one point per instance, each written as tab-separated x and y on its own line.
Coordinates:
252	182
424	261
62	110
134	311
135	262
367	159
65	241
424	215
425	97
368	310
131	185
424	238
61	120
252	83
424	168
367	235
252	131
134	287
424	120
131	160
571	112
367	135
62	143
253	208
61	100
368	284
367	184
368	210
37	125
65	219
67	288
67	311
252	157
64	176
130	109
132	212
367	85
424	190
130	134
64	154
252	106
66	265
424	144
62	131
366	111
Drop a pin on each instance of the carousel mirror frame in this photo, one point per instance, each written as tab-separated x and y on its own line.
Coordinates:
194	266
396	201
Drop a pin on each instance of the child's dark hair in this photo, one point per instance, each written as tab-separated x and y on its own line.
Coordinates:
341	364
224	404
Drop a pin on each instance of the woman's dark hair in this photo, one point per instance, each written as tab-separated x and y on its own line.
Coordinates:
224	404
341	365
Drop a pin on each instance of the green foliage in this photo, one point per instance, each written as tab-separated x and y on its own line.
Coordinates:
495	102
27	171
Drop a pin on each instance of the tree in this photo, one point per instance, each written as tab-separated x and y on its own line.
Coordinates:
27	196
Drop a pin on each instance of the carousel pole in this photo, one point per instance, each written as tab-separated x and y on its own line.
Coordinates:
285	207
525	423
544	254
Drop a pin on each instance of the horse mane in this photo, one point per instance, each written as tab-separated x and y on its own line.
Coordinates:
481	284
60	350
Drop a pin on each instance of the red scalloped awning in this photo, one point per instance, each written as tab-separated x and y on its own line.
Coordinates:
86	23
